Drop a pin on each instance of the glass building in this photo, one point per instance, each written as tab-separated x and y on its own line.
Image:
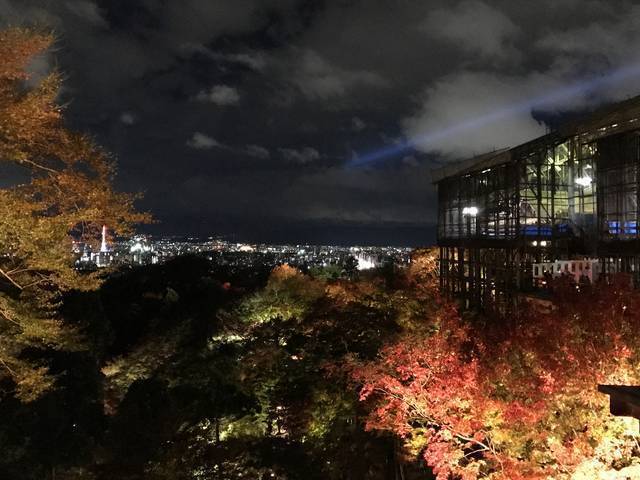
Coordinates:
569	195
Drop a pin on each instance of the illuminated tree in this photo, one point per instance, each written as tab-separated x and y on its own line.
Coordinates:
289	294
513	399
62	187
290	366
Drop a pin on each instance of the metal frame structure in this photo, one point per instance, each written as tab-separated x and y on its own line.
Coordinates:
571	194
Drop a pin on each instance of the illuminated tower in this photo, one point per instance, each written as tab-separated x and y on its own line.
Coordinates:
103	245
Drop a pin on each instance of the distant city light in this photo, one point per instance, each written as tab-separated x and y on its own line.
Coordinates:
365	262
139	247
104	247
145	250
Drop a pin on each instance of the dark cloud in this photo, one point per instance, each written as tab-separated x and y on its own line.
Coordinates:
247	116
357	124
318	79
300	156
128	118
257	151
202	141
475	27
222	95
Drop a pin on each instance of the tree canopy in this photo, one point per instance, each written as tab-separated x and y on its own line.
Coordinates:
517	398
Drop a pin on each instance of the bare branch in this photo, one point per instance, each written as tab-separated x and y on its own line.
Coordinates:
8	277
37	165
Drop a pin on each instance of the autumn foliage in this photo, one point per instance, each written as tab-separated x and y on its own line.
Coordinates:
58	184
513	398
195	372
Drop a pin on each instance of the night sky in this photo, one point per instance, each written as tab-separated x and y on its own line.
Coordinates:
263	119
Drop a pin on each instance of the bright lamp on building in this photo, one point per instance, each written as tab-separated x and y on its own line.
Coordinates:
471	211
584	181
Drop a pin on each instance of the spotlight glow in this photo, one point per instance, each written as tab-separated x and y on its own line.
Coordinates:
548	100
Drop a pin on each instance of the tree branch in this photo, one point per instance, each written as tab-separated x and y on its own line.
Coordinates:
8	277
4	364
41	167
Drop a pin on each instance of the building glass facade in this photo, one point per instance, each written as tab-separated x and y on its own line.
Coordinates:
569	195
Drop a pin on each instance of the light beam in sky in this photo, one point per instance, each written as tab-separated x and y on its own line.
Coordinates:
570	91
